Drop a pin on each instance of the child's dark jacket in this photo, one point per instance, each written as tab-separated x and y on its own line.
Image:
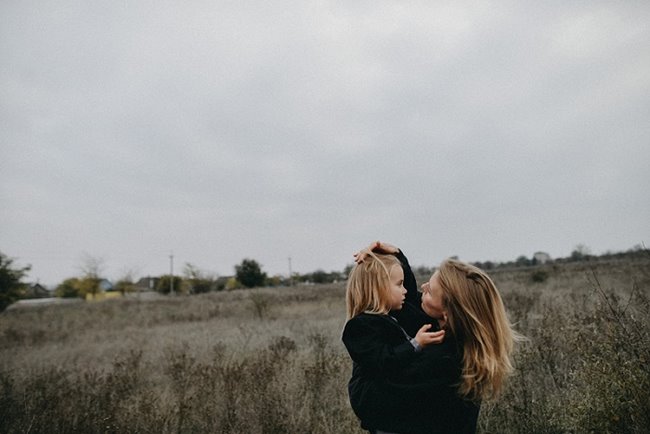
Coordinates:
379	350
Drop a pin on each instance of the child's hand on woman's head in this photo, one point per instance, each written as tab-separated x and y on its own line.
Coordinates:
377	247
425	338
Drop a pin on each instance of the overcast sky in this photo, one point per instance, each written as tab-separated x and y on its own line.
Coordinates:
223	130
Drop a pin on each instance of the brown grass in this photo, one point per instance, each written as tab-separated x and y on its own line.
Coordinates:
271	361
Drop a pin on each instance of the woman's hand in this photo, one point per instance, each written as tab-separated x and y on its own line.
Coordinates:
376	247
425	338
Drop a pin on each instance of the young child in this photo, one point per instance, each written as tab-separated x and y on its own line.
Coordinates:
378	345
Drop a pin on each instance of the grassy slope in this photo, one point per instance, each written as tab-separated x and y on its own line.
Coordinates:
270	360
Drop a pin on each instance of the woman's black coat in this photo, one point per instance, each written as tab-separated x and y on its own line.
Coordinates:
395	389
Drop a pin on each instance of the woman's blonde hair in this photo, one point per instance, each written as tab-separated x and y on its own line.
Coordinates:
477	317
368	288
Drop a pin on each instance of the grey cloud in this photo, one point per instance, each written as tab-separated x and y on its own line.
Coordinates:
226	129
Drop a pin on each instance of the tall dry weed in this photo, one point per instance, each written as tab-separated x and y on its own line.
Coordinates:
217	363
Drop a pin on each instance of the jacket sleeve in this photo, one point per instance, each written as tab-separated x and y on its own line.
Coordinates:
411	317
365	340
438	365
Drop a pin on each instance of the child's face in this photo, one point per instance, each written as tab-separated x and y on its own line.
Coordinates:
432	298
397	290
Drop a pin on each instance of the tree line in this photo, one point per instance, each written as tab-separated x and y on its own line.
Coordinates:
248	274
193	280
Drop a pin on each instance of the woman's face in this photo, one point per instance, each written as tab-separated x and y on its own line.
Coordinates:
397	290
432	298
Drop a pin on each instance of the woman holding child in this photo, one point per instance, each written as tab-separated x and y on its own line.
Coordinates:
423	362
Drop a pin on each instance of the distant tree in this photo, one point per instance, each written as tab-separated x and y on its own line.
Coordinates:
637	248
580	253
164	285
486	266
200	286
69	288
423	271
522	261
11	286
276	280
249	273
191	271
539	276
198	281
320	276
233	283
91	269
126	283
88	285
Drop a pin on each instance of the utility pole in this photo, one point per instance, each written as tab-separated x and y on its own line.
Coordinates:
171	274
290	273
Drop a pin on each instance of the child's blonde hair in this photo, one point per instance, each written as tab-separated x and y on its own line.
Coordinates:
477	317
368	288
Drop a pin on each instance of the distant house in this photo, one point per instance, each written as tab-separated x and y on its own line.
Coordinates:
147	284
541	258
105	285
36	290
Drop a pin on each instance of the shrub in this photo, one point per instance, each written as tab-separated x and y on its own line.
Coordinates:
261	303
539	276
250	273
168	283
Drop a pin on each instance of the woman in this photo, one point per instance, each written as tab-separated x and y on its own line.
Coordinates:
441	391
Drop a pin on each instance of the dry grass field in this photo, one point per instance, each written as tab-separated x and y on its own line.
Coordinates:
271	360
